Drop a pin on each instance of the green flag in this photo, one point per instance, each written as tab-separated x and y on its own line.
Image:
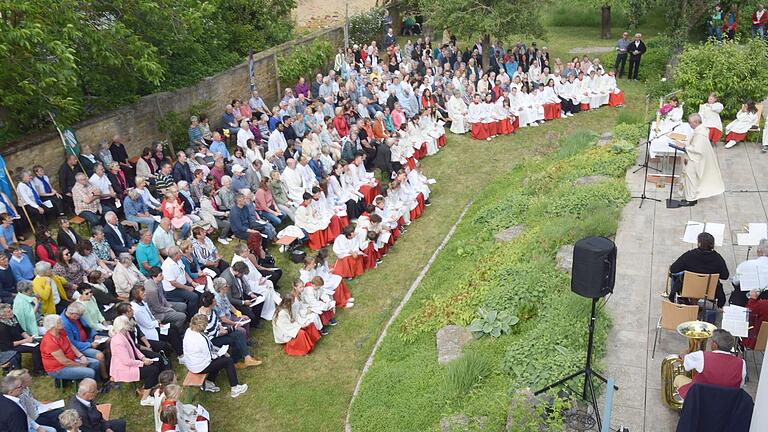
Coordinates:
71	146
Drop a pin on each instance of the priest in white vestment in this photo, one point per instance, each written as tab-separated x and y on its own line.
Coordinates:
457	112
701	173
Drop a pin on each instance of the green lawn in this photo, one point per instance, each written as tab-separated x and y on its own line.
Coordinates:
313	393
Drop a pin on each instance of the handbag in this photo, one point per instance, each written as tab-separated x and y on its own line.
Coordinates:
267	261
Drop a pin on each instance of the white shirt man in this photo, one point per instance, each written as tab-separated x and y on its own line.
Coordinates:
173	271
243	135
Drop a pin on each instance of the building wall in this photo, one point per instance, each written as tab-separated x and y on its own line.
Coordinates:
137	123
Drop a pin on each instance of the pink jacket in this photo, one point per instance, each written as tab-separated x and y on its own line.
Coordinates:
125	365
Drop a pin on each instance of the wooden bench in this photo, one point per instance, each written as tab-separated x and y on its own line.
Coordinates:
105	410
81	225
194	380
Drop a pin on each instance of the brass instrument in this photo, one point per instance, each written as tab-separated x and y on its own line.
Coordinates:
697	332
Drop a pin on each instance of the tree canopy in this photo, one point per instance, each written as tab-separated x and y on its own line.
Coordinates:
481	18
79	58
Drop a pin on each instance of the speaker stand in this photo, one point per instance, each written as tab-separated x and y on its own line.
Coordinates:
588	393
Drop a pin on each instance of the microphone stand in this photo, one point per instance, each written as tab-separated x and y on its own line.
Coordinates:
642	197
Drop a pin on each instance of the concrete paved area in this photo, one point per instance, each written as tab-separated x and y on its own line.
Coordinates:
649	239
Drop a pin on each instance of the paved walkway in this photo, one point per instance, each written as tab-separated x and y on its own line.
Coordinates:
648	241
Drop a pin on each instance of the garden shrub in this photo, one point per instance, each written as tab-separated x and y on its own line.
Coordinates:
366	27
304	61
175	124
631	133
701	67
576	142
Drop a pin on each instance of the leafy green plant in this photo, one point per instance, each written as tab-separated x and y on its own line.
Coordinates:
304	61
367	26
631	133
576	142
464	373
700	72
492	323
176	124
528	414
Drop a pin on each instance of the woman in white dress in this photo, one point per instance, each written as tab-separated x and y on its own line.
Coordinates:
736	131
257	282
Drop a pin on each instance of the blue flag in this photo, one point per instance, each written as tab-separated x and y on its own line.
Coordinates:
5	182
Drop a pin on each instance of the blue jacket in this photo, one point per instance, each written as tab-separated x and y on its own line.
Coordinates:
23	270
221	148
74	334
114	241
316	168
241	220
132	208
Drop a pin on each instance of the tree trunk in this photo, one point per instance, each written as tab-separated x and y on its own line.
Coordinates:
397	19
606	22
486	51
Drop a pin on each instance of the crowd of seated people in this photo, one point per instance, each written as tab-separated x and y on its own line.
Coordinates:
334	165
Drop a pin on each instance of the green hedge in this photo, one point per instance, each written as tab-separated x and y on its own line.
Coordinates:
405	389
304	62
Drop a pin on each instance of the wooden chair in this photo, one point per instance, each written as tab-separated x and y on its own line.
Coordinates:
105	410
672	315
699	286
760	344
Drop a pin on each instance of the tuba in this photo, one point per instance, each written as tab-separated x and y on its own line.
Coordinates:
697	333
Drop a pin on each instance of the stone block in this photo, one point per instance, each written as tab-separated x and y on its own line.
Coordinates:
450	341
564	258
509	234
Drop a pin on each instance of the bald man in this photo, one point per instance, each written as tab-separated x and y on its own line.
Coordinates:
83	403
701	176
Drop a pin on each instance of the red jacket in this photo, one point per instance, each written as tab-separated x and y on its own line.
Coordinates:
340	123
760	309
763	18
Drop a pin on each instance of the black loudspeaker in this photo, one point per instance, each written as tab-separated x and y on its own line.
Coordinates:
594	267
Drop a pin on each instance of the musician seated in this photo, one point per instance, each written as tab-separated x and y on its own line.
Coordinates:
756	268
716	367
704	260
758	306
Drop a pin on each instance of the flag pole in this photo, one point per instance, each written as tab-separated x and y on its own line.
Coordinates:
23	208
64	142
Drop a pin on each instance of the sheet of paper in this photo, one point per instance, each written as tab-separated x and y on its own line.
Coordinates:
200	288
201	426
44	408
154	359
738	328
30	344
257	301
244	321
118	204
164	329
223	350
48	203
752	276
108	307
692	231
735	313
202	412
157	218
100	339
717	230
431	181
759	230
209	272
746	239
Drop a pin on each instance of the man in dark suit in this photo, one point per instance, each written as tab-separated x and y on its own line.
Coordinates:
118	239
67	181
240	292
636	50
83	403
12	417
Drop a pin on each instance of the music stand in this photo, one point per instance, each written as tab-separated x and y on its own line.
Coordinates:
587	371
673	203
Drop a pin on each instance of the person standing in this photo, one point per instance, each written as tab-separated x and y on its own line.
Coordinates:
710	117
636	50
621	53
732	21
701	173
759	18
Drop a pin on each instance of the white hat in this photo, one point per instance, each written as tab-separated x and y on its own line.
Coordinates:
237	168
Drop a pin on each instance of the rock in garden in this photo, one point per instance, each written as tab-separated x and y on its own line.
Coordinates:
523	405
564	259
450	340
510	233
588	180
605	139
462	423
